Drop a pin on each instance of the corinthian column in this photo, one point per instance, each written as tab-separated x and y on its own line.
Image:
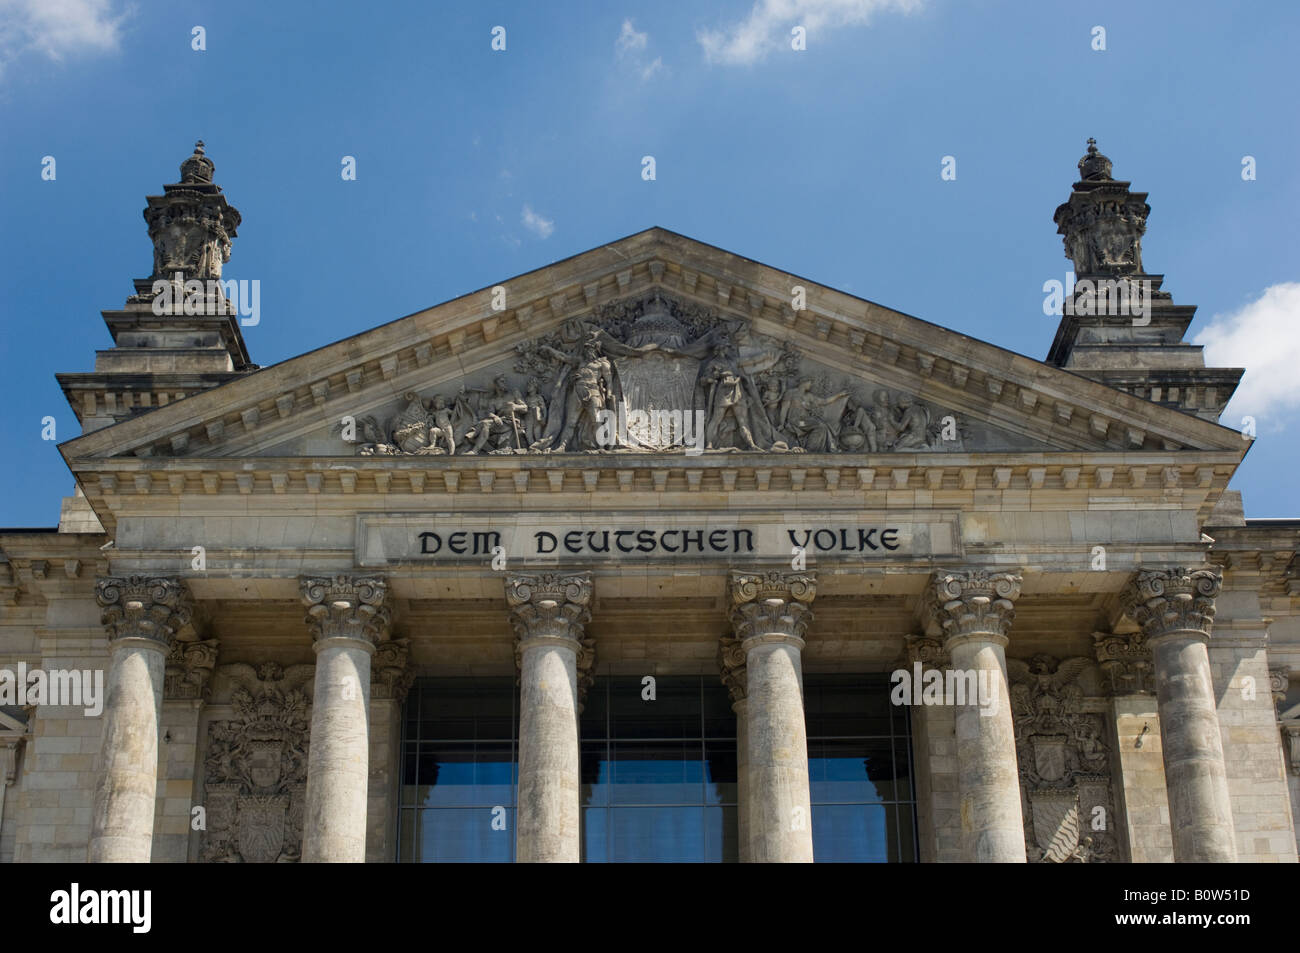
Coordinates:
346	615
769	613
548	611
1175	608
141	615
975	609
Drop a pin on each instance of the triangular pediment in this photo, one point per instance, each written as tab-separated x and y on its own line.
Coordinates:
655	322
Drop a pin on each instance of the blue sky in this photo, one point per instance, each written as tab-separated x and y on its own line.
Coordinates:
474	165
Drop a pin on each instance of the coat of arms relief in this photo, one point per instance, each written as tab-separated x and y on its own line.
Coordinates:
1064	763
657	375
255	771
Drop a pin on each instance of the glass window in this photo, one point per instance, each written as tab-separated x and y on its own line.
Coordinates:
459	771
859	771
659	775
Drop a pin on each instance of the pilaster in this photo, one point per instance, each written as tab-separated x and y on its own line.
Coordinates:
187	673
1128	670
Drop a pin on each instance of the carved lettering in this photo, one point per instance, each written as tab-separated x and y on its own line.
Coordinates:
677	541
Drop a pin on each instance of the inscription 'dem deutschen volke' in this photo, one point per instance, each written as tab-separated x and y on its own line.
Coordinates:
679	541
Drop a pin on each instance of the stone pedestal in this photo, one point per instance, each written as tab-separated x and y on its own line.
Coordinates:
347	615
141	615
769	613
975	609
548	612
1175	608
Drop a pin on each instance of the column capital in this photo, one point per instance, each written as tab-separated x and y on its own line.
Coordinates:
1279	683
929	652
970	603
143	607
390	673
189	668
1127	661
771	605
1169	601
346	606
549	605
731	662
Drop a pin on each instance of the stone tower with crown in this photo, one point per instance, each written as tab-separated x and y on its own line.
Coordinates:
1143	353
165	349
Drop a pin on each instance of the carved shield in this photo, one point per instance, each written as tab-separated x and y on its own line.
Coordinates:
1056	824
265	762
657	382
1049	756
221	806
260	837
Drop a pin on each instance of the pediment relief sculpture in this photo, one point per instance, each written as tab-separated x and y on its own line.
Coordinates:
655	375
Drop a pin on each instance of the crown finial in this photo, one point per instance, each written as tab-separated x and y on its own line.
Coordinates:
1094	166
198	168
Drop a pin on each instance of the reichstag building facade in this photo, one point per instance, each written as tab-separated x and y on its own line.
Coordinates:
653	554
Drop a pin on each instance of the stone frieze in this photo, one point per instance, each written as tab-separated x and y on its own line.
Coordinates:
655	375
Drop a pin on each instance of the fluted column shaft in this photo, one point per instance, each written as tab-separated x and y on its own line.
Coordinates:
1175	609
548	612
346	615
770	613
141	615
975	609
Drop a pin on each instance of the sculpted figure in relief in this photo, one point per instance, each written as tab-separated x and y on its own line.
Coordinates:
858	430
587	389
535	414
658	358
912	420
501	421
803	416
442	427
728	401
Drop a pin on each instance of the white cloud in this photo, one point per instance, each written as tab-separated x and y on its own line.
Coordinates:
769	23
1263	336
542	227
631	46
58	29
630	39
